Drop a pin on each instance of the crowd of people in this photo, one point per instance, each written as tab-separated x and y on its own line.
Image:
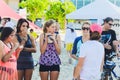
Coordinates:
17	46
90	50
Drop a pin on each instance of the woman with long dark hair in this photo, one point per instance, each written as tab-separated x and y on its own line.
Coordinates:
25	63
9	51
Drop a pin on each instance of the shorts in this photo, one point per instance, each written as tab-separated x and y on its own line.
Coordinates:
75	63
24	68
69	46
44	68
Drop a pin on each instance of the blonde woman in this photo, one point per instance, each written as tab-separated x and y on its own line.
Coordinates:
79	41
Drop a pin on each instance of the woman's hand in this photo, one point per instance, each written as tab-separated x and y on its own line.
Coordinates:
16	45
107	46
19	49
52	37
23	41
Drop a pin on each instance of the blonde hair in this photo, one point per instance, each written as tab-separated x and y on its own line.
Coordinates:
85	23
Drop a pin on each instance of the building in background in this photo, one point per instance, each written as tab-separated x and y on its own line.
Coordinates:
116	2
81	3
78	3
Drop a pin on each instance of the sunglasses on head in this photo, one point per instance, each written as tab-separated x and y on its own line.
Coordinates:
85	28
110	24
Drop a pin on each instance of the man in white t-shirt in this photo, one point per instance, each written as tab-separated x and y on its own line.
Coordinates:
91	56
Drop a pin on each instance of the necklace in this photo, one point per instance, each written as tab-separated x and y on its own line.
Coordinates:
9	45
23	37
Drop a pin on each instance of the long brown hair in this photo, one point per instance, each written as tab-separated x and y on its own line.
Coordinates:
20	22
95	35
48	24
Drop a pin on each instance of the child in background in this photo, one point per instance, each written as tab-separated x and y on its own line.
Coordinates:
33	34
70	36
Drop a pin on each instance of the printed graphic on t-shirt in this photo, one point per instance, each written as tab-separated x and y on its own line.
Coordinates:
105	38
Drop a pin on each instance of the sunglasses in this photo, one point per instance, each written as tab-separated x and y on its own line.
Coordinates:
85	28
110	24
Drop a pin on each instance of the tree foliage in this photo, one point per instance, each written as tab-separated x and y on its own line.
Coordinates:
35	8
58	10
47	9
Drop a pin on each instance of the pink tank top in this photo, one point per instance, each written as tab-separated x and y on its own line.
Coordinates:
8	70
11	63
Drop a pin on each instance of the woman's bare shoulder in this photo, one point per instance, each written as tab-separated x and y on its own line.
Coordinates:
1	42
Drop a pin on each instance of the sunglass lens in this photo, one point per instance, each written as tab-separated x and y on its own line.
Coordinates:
110	24
84	28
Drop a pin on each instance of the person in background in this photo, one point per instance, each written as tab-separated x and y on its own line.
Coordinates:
0	19
50	48
33	34
57	27
3	22
6	22
9	52
1	28
25	63
70	36
91	56
1	53
108	38
10	24
80	40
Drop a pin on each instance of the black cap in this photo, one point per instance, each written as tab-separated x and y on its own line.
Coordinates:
108	19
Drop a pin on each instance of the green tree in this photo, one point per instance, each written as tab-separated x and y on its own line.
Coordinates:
49	9
57	10
35	8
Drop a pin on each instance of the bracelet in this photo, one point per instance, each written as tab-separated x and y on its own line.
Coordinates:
74	79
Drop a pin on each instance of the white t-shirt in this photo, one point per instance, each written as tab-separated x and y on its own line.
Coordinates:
10	24
93	51
70	36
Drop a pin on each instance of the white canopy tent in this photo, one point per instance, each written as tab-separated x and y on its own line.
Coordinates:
99	9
